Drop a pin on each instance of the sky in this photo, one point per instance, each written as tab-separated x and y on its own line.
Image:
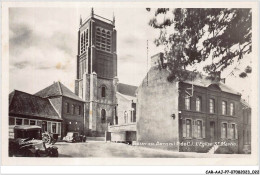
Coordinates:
43	47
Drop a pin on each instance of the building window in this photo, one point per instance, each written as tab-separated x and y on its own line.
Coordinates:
32	122
248	138
188	128
67	106
134	111
245	117
224	107
11	121
25	121
211	105
187	103
44	126
244	136
103	39
19	121
231	109
73	109
233	129
224	130
199	128
126	116
103	91
103	116
83	41
116	120
79	110
54	128
198	104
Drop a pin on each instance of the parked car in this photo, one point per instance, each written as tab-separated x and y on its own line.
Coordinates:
74	137
26	141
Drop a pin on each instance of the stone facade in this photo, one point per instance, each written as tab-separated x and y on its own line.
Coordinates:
96	72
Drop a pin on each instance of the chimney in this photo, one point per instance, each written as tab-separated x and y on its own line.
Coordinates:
157	60
223	80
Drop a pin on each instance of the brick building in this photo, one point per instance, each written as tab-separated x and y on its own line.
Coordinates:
27	109
68	105
194	112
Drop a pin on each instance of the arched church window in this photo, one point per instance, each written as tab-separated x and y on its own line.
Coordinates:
103	91
103	116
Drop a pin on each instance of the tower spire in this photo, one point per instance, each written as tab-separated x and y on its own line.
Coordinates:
114	19
80	21
92	12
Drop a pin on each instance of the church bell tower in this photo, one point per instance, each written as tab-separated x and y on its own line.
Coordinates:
96	72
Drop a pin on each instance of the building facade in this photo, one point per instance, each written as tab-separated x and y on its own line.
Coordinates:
199	115
123	129
96	72
28	109
245	134
68	105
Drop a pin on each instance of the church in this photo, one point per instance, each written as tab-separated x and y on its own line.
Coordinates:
96	77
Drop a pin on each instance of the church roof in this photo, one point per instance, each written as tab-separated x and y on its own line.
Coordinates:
21	103
57	89
126	89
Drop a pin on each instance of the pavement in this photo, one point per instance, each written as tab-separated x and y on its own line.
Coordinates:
111	149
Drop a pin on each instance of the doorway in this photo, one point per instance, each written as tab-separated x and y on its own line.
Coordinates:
212	132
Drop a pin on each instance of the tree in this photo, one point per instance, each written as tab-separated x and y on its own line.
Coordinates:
216	36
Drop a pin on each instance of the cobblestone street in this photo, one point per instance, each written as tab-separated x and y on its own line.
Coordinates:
110	149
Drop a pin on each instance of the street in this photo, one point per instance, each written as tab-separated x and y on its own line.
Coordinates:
110	149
